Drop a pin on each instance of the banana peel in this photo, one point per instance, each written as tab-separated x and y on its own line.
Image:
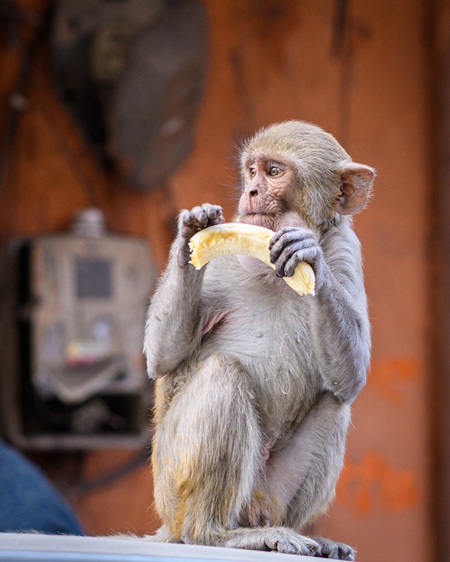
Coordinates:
248	240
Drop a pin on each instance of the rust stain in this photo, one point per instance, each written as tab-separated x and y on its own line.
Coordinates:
389	377
374	483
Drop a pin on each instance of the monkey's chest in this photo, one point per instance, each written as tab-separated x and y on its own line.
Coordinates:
261	334
273	342
278	358
267	327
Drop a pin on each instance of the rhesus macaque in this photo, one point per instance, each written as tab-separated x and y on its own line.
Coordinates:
254	382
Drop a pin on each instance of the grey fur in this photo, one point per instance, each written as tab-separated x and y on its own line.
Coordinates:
254	382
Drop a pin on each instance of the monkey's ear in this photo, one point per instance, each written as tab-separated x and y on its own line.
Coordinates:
354	190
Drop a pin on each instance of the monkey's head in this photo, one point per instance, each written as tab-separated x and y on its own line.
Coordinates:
296	174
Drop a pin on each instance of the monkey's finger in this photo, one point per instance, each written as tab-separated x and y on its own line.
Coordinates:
185	224
293	261
192	218
185	217
293	231
284	257
284	239
200	215
301	240
280	233
214	212
308	255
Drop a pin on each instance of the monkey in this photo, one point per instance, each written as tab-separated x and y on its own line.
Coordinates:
254	383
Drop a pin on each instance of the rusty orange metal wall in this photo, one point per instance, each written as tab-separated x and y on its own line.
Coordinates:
363	81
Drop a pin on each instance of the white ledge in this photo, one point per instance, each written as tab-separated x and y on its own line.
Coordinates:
15	547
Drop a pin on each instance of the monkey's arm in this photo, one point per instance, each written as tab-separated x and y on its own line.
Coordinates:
340	322
175	322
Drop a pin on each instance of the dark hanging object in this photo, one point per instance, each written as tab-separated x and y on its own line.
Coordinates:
132	72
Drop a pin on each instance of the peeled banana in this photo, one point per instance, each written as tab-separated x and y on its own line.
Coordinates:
249	240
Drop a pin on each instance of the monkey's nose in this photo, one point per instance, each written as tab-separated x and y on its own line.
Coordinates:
253	192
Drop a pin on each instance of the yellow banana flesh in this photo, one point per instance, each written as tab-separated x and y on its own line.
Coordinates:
249	240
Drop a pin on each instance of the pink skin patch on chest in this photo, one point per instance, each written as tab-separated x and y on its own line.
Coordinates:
212	322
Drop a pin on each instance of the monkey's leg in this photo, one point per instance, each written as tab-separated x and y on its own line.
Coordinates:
303	475
206	452
206	460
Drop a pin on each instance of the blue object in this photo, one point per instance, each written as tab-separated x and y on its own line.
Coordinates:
28	502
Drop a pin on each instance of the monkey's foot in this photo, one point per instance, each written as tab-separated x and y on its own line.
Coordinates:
277	539
335	550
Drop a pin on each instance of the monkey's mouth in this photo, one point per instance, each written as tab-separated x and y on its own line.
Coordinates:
257	214
260	213
268	220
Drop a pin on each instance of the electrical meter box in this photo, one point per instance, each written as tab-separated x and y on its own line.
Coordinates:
72	321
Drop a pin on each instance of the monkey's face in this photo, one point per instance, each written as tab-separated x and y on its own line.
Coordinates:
296	174
266	199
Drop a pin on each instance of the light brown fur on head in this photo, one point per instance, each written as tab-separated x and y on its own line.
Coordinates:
300	140
320	164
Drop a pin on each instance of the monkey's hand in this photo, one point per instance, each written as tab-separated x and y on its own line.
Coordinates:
190	222
292	245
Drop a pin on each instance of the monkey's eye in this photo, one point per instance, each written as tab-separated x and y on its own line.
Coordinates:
252	171
273	171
